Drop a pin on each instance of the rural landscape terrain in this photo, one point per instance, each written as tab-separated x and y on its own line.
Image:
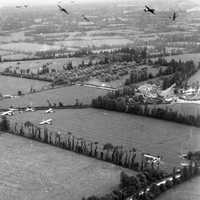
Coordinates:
100	100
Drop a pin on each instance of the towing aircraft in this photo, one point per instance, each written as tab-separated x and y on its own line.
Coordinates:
148	9
48	121
63	10
174	16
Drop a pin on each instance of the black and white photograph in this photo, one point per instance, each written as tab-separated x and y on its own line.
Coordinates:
100	100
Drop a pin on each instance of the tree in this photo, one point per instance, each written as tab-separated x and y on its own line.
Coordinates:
107	147
4	125
19	93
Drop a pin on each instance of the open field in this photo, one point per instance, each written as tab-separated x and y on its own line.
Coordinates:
95	41
36	171
194	78
147	135
11	85
27	47
181	108
185	191
34	65
186	57
66	95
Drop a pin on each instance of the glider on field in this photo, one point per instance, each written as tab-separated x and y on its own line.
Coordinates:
10	113
12	109
48	121
63	10
50	110
150	10
29	109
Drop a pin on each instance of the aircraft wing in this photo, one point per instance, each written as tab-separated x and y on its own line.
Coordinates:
147	7
59	7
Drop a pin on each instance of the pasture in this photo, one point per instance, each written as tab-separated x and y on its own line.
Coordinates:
194	78
34	65
28	47
32	170
148	135
185	109
66	95
185	57
11	85
185	191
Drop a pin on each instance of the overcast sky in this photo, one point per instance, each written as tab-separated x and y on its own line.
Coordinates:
37	2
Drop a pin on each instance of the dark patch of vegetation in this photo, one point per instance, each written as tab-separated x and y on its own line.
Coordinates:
149	184
4	124
117	102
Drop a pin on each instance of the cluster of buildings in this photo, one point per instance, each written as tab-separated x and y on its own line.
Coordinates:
153	94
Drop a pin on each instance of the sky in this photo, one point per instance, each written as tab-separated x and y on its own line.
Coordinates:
38	2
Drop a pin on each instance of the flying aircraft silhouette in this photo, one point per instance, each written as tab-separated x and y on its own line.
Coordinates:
173	17
24	6
150	10
63	9
85	18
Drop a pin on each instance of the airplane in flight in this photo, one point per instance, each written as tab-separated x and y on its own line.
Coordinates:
150	10
23	6
50	110
9	113
85	18
63	10
174	16
48	121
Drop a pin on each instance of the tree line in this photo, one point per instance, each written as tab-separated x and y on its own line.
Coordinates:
117	102
108	152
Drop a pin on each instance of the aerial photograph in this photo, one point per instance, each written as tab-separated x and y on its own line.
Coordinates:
100	100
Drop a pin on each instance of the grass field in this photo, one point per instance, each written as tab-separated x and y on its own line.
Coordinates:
27	47
185	191
182	108
36	64
146	134
34	171
185	57
194	78
66	95
11	85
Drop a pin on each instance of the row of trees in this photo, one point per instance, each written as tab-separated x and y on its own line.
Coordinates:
149	184
115	154
110	102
